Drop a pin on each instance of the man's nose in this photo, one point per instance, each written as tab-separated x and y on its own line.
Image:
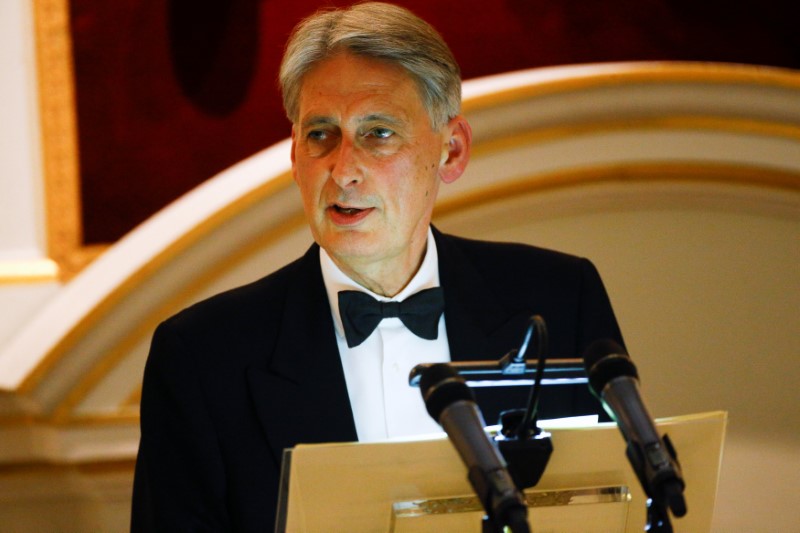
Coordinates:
345	168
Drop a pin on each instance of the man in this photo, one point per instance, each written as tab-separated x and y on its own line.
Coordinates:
373	94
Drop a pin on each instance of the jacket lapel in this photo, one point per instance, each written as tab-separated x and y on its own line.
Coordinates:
300	394
479	326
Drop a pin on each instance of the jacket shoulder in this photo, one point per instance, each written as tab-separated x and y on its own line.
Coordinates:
495	254
259	302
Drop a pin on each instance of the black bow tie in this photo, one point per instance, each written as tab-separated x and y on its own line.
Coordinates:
361	314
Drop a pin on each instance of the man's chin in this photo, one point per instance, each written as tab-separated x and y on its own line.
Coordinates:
354	247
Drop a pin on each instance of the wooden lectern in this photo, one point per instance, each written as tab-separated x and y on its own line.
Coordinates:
421	485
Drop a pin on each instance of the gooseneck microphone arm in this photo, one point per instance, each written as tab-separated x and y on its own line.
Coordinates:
529	422
450	402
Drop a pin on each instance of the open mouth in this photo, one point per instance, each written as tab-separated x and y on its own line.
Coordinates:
347	210
347	215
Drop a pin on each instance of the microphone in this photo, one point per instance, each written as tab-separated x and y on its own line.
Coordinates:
614	380
451	403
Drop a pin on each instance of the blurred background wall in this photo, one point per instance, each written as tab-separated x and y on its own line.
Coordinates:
680	180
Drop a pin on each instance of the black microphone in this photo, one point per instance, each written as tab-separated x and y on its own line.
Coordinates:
451	403
614	380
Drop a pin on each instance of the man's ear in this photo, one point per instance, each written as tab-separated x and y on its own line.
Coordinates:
456	150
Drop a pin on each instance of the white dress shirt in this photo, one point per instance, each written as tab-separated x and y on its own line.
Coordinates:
376	371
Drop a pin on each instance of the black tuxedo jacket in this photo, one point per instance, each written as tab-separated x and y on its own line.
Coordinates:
232	381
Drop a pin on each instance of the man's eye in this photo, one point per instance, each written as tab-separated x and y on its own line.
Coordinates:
380	133
317	135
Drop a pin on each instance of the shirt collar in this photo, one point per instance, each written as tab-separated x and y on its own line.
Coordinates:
336	281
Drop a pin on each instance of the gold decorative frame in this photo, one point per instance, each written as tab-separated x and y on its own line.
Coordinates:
59	138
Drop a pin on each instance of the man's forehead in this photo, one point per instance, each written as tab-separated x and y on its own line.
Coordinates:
357	86
397	108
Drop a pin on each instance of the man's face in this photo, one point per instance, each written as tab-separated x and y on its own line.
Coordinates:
367	162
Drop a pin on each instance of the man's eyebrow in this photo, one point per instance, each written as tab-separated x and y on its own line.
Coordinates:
381	117
315	121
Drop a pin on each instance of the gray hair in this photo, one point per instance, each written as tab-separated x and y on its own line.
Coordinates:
379	31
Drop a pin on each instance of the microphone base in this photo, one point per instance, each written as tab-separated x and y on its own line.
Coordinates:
527	458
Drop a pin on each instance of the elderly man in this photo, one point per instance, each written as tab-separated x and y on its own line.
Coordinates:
373	94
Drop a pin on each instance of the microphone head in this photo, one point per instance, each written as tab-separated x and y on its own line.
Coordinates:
605	360
441	386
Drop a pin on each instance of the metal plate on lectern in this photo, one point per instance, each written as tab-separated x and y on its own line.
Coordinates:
584	510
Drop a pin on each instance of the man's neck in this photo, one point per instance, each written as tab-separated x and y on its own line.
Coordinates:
384	279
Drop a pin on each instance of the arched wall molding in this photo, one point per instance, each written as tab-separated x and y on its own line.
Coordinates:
124	266
693	179
70	422
76	367
682	179
640	89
